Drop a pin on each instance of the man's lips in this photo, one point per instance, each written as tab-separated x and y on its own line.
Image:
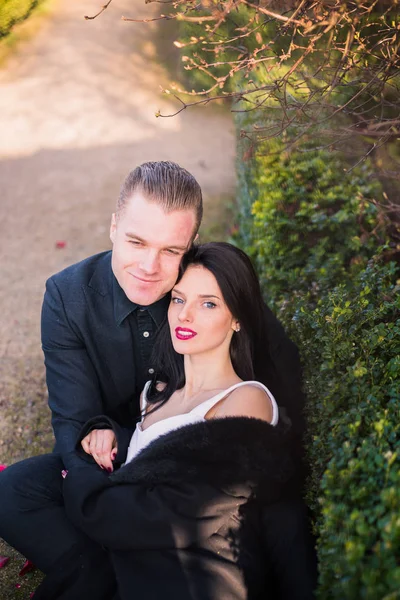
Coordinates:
182	333
148	281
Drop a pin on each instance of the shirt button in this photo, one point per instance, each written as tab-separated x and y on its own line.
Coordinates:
151	371
146	334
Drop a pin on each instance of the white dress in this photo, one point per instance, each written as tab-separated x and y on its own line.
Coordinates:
143	437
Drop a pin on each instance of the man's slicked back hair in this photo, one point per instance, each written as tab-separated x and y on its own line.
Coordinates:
165	183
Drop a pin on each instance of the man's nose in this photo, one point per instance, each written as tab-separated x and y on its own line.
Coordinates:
150	262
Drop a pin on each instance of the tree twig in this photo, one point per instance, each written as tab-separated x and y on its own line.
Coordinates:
100	11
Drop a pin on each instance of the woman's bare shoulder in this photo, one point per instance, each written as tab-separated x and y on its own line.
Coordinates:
247	401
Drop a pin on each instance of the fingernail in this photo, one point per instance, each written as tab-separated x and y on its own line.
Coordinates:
109	470
101	467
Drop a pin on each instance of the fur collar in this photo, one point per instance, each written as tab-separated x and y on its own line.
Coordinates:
221	452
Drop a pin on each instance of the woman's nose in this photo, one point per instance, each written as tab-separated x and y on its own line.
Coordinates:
185	314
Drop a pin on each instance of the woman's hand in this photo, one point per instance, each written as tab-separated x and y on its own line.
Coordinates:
102	445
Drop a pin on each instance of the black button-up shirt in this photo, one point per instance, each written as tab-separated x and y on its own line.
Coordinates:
143	322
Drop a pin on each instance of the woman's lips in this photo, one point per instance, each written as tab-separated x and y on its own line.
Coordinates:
184	334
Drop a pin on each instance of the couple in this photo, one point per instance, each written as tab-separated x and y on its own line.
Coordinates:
202	499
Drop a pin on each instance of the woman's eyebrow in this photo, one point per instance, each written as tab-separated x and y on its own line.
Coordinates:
200	295
209	296
176	291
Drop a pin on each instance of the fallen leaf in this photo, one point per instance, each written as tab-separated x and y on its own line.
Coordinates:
2	467
61	244
3	561
27	568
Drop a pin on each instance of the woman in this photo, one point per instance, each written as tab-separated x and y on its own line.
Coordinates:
180	518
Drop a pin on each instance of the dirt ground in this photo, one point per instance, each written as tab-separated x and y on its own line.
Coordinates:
77	113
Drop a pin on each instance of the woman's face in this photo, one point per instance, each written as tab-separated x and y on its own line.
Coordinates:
198	317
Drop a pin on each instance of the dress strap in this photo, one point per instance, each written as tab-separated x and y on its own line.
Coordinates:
143	398
203	408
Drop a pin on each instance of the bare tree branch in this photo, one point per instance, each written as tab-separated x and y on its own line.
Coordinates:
326	68
100	11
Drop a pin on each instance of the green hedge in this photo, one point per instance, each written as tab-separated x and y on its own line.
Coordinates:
323	259
13	11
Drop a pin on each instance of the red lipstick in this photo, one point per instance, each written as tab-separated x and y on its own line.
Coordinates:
182	333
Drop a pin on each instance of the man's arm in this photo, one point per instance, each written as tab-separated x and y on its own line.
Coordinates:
74	391
101	433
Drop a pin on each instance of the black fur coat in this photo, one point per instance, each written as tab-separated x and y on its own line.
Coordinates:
183	519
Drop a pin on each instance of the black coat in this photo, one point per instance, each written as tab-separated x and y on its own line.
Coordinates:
181	520
89	354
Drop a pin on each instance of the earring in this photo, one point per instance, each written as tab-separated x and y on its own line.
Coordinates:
237	329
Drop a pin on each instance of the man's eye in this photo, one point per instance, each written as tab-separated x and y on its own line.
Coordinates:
172	252
135	242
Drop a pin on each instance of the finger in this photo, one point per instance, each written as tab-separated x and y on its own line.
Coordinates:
93	449
85	443
106	448
101	448
108	444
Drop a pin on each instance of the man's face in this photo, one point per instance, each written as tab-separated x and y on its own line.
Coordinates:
148	245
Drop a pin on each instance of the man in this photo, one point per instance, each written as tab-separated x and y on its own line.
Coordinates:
99	319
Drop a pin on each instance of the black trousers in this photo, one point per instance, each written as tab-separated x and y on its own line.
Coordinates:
32	515
34	522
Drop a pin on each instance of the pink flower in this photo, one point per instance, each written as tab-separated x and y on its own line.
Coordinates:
60	244
2	467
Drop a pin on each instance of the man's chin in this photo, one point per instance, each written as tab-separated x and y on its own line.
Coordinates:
144	298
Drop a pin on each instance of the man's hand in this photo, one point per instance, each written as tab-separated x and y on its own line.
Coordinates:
102	445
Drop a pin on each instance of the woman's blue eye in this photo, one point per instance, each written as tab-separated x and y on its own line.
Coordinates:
210	304
176	300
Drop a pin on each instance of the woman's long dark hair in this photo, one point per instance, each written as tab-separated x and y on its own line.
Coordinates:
241	291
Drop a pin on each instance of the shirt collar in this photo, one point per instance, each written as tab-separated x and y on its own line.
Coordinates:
124	307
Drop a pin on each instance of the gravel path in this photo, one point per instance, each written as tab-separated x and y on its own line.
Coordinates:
77	112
